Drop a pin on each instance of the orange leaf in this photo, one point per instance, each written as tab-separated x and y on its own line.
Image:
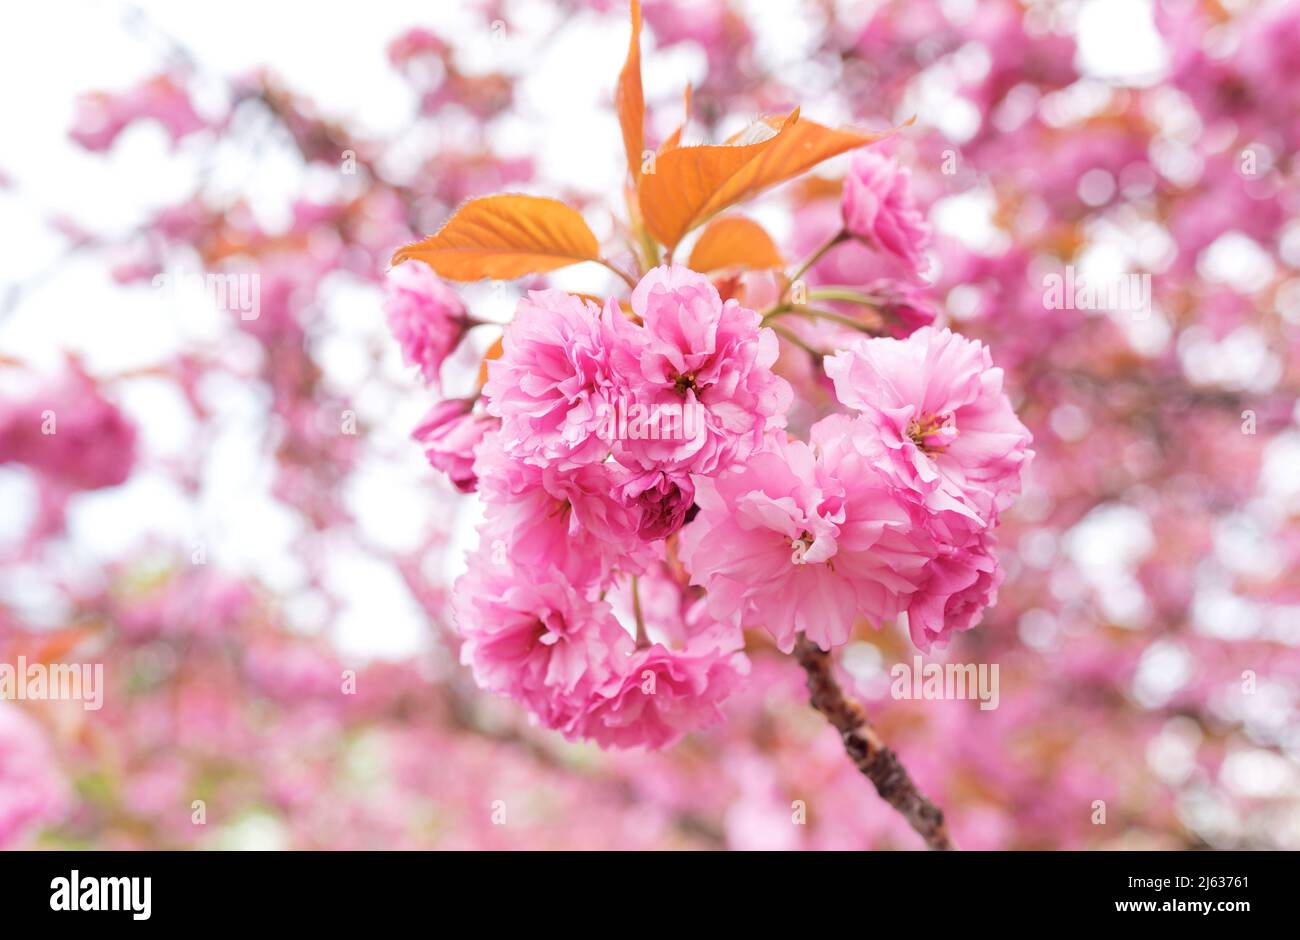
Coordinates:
798	148
504	237
734	241
630	100
494	352
674	198
51	647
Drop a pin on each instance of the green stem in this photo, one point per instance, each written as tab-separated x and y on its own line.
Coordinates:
649	249
816	256
791	338
819	314
846	294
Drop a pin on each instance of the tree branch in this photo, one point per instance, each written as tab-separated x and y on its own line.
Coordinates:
868	752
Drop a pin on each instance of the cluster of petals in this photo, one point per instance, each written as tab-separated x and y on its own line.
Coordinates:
575	606
449	433
886	513
425	315
70	434
805	538
878	208
709	358
535	637
553	385
935	403
576	506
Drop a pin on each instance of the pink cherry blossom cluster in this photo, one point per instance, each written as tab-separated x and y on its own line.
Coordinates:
619	562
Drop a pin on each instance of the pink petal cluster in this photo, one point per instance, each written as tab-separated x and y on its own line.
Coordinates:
878	208
949	443
533	636
696	352
935	403
884	514
425	316
660	694
69	433
449	433
575	607
660	498
805	538
32	791
582	483
543	517
553	384
101	117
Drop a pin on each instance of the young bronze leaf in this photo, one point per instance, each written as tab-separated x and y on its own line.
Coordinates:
505	237
675	197
630	100
734	241
493	352
798	148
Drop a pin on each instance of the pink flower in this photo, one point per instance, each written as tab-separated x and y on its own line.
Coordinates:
935	403
32	791
552	387
959	584
904	308
538	518
878	208
101	117
69	433
532	636
687	665
425	316
804	538
660	695
707	360
449	433
660	500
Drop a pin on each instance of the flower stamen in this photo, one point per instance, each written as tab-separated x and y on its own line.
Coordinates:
921	430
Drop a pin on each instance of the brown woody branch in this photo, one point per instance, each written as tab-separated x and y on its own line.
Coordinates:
868	752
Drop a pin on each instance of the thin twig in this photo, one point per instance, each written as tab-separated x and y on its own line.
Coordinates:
837	238
868	752
620	272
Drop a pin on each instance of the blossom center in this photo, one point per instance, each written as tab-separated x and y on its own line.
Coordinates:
939	427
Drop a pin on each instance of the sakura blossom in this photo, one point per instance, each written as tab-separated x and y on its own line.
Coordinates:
878	208
804	539
554	382
696	351
449	434
934	401
426	317
538	639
